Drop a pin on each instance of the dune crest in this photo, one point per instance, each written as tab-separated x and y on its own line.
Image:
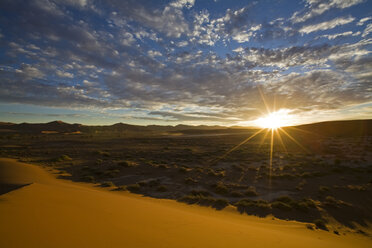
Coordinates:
56	213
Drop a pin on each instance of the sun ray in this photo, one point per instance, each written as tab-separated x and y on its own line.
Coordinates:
263	139
271	156
300	130
236	147
264	100
281	140
294	140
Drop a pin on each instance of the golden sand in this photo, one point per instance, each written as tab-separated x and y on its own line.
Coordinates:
56	213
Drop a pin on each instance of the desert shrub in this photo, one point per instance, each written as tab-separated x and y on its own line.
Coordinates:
356	187
259	208
306	204
183	169
323	189
190	180
63	158
142	183
289	203
309	226
252	169
220	188
204	201
281	206
200	192
88	178
134	187
306	175
285	199
102	153
320	224
111	173
330	201
163	166
123	163
221	203
236	194
162	188
122	188
286	176
238	167
107	184
251	191
127	163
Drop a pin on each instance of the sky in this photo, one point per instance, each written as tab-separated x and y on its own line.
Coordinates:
211	62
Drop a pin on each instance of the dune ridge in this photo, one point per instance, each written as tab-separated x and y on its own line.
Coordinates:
50	212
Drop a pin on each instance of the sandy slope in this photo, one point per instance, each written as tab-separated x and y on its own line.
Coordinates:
56	213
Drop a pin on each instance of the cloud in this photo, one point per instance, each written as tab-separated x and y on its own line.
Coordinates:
202	117
29	72
169	20
182	43
334	36
153	53
79	3
326	25
173	61
183	4
127	39
363	20
64	74
318	7
367	30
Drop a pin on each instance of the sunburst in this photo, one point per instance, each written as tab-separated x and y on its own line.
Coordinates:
272	123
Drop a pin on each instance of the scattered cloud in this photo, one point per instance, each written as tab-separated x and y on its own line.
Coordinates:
185	60
327	25
334	36
363	20
315	8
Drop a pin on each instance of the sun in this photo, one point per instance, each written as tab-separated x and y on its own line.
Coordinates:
275	120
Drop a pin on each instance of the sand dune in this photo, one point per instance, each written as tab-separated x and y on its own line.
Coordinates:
48	212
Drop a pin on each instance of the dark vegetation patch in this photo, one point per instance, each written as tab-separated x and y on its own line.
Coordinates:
332	178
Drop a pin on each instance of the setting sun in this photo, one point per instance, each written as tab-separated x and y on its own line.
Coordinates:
275	120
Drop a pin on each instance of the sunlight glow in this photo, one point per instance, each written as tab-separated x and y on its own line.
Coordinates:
275	120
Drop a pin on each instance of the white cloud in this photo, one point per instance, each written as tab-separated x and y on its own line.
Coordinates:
367	30
153	53
334	36
363	20
242	36
89	83
80	3
318	7
127	39
238	50
182	3
64	74
326	25
29	71
182	43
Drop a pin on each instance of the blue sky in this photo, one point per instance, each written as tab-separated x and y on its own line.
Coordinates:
184	61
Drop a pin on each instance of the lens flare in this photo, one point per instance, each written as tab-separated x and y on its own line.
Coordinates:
275	120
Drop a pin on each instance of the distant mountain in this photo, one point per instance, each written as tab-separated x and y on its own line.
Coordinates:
330	128
335	128
62	127
57	126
